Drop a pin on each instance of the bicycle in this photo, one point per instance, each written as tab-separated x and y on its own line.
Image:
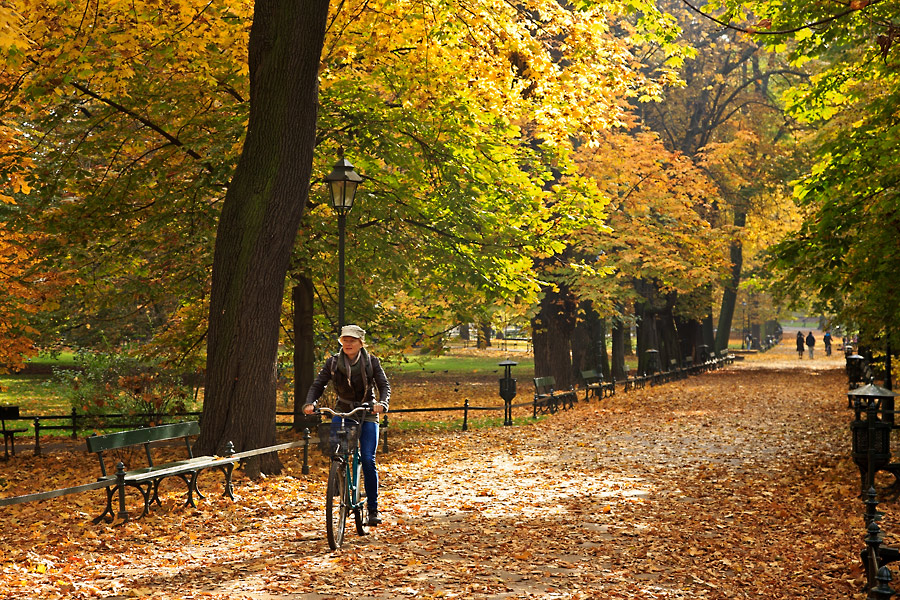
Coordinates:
345	491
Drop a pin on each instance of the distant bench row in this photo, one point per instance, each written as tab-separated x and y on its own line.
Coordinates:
548	398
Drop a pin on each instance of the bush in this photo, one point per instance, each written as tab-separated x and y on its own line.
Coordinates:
116	388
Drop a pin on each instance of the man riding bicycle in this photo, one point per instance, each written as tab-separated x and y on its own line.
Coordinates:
356	374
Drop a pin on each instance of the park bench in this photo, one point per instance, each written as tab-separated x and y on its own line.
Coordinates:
146	479
634	380
594	384
9	439
547	399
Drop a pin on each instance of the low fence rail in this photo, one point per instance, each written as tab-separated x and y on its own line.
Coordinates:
76	422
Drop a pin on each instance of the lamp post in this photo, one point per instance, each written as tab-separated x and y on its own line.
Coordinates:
342	182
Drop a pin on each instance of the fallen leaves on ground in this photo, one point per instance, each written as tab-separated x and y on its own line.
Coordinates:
732	484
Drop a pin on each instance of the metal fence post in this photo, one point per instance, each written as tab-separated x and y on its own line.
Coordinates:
120	483
306	450
37	436
465	426
871	503
873	543
882	591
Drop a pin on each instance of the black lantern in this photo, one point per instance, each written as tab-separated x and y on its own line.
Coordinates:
870	394
871	436
342	183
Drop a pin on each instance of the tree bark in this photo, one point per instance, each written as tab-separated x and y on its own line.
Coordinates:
304	348
258	227
729	296
619	372
484	335
551	335
589	342
582	342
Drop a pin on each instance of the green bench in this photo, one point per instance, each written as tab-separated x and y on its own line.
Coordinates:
146	479
11	413
594	384
547	399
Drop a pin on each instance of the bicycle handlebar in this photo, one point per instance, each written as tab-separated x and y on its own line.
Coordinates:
364	408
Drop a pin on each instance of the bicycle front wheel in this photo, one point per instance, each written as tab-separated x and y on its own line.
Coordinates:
337	504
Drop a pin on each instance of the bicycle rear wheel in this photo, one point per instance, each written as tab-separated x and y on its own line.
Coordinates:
361	510
336	504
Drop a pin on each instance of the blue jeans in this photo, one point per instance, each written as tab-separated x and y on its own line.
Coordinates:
368	444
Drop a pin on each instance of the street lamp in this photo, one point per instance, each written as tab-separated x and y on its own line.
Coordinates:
342	182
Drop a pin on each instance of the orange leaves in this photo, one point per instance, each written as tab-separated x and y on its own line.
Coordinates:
726	485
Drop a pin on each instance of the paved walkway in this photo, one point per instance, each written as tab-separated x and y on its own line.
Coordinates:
733	484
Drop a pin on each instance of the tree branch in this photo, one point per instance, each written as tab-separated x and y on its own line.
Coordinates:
143	120
778	32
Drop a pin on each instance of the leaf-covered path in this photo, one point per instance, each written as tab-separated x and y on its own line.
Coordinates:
733	484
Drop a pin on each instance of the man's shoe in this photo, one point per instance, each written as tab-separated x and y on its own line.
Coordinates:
374	519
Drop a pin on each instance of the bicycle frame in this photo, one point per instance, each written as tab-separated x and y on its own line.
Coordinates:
346	471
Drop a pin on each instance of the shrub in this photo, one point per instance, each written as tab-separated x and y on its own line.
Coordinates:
119	389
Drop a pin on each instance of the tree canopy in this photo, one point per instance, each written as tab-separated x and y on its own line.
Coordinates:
843	257
589	157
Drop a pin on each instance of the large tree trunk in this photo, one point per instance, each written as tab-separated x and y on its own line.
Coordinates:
304	348
258	227
551	335
647	339
582	342
589	342
729	296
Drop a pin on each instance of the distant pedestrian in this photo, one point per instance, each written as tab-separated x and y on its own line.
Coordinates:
827	341
800	347
810	343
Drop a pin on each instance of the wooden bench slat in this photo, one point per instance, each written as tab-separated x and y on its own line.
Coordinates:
136	437
147	478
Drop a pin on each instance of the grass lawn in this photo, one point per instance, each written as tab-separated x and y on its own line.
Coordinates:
33	394
36	393
458	365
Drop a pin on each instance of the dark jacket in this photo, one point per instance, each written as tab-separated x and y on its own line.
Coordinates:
356	390
810	340
799	342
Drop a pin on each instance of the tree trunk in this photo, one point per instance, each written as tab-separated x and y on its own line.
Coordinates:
484	335
551	335
619	372
729	296
258	226
589	342
582	342
647	339
304	349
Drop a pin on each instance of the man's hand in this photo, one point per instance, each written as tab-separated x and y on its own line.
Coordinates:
308	409
378	408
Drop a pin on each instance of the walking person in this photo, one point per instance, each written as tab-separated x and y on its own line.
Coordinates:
810	343
355	374
800	344
826	339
